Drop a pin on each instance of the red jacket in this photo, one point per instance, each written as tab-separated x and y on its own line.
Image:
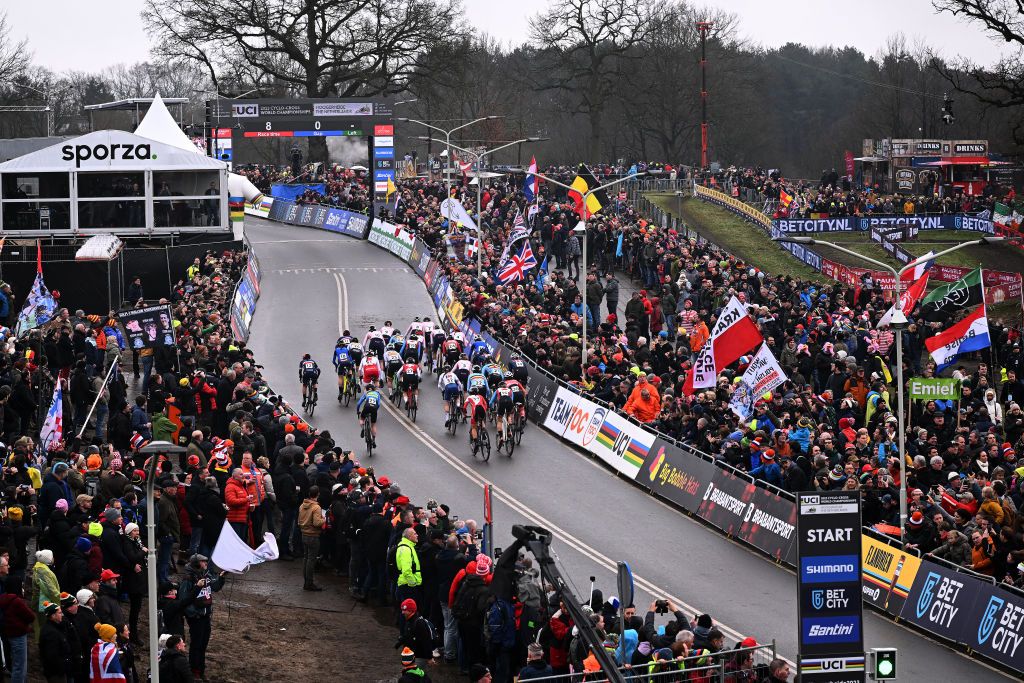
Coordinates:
237	500
561	630
184	522
18	618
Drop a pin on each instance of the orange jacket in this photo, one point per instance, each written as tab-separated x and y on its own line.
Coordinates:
699	337
643	409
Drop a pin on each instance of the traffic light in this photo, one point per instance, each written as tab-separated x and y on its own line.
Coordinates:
883	664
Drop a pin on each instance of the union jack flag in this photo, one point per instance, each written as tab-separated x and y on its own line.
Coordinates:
104	664
515	266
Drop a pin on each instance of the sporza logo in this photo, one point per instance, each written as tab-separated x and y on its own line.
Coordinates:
927	596
101	152
988	620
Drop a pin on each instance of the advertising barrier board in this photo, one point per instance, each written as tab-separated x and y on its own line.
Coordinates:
941	601
887	574
676	475
393	238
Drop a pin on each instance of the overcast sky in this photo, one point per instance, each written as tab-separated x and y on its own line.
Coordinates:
89	36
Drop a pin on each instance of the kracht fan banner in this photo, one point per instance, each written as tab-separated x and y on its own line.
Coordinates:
733	335
148	327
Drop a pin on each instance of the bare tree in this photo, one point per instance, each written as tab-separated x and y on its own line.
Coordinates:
1002	85
315	48
14	54
584	45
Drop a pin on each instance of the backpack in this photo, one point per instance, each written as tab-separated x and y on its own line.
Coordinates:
500	624
464	606
393	561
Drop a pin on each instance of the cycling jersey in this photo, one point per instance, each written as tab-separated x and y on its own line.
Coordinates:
413	348
451	346
371	337
370	370
518	391
397	339
476	381
342	359
308	370
475	408
459	337
478	348
414	327
392	361
449	385
490	369
410	374
368	404
462	364
518	368
502	398
387	331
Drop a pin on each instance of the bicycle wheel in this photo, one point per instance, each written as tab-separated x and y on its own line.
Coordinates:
485	443
510	440
346	393
369	441
520	425
411	407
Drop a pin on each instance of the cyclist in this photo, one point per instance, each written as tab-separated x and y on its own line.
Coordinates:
518	392
374	341
410	380
369	369
415	326
436	339
452	351
397	340
388	329
355	350
478	349
366	408
309	373
493	374
475	409
413	348
459	337
392	361
476	383
462	369
451	387
518	367
501	402
342	363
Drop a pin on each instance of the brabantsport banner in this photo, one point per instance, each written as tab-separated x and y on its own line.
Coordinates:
540	395
762	375
741	509
147	327
676	475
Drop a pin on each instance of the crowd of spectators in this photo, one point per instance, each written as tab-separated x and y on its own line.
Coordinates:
344	188
834	196
832	425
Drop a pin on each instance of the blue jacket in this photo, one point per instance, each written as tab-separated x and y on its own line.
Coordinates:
139	421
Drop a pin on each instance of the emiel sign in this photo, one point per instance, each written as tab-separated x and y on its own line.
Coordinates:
934	389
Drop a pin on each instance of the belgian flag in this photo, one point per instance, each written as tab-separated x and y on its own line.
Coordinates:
785	198
584	182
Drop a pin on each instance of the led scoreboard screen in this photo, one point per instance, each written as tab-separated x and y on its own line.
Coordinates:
289	118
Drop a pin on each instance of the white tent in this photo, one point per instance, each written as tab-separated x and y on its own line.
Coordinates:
158	124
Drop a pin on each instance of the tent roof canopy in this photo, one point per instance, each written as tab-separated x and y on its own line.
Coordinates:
162	156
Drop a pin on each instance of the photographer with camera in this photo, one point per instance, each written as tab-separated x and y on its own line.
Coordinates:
196	593
649	632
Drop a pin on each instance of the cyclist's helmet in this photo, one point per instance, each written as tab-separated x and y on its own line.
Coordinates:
478	338
387	323
476	368
369	387
447	368
373	328
426	318
463	356
371	354
305	356
507	374
416	319
340	342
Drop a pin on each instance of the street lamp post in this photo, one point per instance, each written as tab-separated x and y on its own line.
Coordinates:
478	160
899	322
447	141
581	230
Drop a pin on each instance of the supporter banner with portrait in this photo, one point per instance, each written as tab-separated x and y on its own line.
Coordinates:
941	601
676	475
887	574
751	513
762	375
147	327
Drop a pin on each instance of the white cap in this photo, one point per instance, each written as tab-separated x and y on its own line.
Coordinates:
83	596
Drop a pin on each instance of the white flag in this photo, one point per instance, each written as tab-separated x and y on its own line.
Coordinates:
53	427
733	335
453	210
763	374
234	555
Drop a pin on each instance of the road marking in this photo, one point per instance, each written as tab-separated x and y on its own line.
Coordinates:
510	500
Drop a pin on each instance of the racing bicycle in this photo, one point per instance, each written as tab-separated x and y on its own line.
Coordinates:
455	415
410	404
348	389
310	402
368	437
482	443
